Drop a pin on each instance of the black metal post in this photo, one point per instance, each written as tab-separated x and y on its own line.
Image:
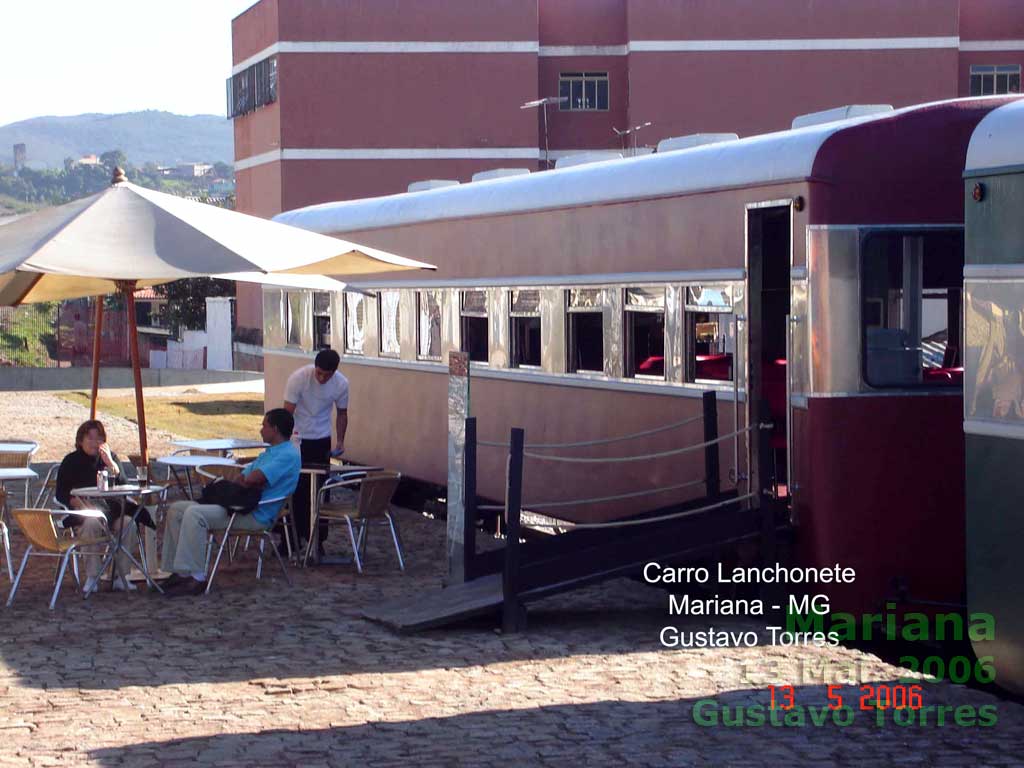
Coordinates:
712	471
513	616
469	503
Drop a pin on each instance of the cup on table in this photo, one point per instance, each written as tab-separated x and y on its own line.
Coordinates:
143	476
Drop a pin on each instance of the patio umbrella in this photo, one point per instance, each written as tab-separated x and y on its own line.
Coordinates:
128	237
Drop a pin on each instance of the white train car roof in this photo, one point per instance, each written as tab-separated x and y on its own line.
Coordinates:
773	158
998	141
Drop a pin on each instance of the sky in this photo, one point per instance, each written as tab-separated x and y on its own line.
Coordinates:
67	57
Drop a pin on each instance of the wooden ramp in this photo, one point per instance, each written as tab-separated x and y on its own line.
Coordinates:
445	606
570	561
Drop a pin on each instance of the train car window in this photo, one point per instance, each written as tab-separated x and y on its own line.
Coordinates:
645	333
355	323
390	329
524	333
474	325
710	334
321	320
911	309
585	327
298	326
428	326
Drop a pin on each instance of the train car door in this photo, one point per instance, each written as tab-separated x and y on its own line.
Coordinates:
769	239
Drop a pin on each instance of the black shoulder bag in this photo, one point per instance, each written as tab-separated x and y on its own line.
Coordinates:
234	497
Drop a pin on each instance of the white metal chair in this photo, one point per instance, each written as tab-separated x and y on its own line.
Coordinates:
19	460
47	488
371	504
44	541
264	537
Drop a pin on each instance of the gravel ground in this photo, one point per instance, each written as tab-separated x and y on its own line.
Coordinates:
51	421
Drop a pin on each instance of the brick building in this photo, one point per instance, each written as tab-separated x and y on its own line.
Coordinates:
339	99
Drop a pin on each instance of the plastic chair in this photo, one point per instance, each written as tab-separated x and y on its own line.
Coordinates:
44	541
372	504
264	537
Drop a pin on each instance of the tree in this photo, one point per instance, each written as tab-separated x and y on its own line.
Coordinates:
186	300
114	158
223	171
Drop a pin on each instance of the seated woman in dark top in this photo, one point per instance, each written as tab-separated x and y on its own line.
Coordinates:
78	470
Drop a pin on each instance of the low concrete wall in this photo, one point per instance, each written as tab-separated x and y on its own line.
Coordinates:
30	379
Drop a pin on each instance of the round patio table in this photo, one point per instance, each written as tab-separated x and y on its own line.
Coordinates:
189	462
121	492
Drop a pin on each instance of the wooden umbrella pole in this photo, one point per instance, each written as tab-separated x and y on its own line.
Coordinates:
97	337
128	288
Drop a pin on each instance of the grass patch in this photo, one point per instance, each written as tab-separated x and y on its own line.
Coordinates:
27	335
194	416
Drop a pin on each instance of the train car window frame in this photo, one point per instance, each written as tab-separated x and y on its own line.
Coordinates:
321	320
429	322
525	328
910	327
705	306
638	305
355	326
384	302
470	325
584	308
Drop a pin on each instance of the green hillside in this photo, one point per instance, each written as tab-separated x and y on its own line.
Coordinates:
150	136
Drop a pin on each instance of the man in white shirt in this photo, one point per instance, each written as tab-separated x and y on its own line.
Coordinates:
310	395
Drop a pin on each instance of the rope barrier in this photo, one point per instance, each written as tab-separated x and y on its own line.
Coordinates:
601	441
641	457
599	499
646	520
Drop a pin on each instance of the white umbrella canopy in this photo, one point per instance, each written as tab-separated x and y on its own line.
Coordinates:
128	237
88	247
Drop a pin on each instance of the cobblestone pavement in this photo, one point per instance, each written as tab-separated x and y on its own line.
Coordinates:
260	674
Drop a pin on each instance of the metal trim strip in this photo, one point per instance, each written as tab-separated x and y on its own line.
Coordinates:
993	429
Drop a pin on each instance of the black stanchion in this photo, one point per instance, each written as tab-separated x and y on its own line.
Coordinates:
513	616
469	503
712	472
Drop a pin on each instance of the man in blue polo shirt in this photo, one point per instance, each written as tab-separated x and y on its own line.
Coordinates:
275	471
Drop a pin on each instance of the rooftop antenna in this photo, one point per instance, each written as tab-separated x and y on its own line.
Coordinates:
622	134
543	104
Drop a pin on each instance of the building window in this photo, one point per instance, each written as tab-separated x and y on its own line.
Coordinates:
390	329
321	320
253	87
911	287
995	79
525	329
645	333
585	330
428	327
583	91
473	323
710	334
355	322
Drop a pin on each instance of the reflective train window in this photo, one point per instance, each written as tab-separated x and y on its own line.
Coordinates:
524	331
428	328
645	332
474	325
911	308
355	322
710	334
585	330
390	328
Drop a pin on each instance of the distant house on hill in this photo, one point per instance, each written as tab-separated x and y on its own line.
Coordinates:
192	170
88	160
